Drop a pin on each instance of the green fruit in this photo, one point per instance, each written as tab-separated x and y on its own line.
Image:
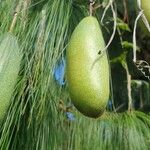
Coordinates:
146	7
9	67
87	76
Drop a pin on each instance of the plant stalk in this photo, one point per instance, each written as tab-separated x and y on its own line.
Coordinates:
130	107
18	8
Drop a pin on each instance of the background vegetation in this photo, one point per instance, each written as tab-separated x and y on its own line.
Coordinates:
41	116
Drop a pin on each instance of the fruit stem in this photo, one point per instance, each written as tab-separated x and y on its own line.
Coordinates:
91	7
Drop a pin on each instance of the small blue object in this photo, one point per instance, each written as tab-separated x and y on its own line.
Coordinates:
110	105
59	72
70	116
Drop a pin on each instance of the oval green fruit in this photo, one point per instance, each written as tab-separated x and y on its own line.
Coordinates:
146	7
10	58
87	76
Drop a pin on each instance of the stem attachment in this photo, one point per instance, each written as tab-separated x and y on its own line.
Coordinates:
91	7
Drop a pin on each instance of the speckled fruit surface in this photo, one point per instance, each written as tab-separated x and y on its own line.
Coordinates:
87	76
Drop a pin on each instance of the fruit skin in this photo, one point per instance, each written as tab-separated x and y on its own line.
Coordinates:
146	7
87	76
10	58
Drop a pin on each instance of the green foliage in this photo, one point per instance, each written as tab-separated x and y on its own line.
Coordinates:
114	131
123	26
